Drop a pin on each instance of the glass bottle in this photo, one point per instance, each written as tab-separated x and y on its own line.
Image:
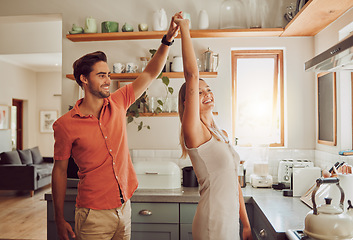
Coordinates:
232	15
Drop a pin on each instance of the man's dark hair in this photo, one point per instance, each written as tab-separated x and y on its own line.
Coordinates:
83	65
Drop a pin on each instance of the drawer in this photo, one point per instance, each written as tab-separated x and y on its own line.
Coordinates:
262	229
154	212
187	212
155	231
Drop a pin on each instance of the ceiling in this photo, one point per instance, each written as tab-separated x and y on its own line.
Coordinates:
37	62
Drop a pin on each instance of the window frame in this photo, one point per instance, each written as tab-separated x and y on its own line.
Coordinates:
272	53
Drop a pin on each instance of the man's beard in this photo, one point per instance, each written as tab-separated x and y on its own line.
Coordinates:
100	94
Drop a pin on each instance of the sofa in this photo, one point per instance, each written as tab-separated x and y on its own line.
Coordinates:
24	170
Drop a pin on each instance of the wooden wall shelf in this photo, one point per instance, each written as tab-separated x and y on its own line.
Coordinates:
315	16
126	77
210	33
312	18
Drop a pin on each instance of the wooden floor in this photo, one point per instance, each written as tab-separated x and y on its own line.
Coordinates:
23	217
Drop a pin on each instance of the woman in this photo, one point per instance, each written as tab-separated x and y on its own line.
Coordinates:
213	158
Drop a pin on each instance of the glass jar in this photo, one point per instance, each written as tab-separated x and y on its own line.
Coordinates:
232	15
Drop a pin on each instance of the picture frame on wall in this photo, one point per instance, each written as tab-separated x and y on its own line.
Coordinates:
47	118
4	117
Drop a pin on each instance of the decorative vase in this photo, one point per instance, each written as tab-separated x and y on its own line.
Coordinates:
232	15
203	20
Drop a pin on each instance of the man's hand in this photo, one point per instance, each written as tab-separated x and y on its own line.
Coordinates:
64	228
247	233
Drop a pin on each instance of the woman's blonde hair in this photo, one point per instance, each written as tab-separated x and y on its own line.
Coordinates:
181	108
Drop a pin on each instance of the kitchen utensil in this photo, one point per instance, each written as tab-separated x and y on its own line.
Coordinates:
260	176
327	221
109	26
158	175
189	177
143	27
242	174
232	15
131	67
91	25
177	64
285	168
127	28
203	20
160	21
304	178
255	16
76	29
144	62
118	68
210	60
187	16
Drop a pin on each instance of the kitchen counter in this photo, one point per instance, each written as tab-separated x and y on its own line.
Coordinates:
283	213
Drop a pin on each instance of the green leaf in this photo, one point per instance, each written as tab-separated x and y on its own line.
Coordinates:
133	107
171	90
139	127
160	75
153	51
130	119
160	102
158	110
137	114
165	80
148	127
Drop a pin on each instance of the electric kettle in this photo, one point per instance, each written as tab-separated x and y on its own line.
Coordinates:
328	222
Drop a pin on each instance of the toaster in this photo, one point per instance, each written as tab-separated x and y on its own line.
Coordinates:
285	169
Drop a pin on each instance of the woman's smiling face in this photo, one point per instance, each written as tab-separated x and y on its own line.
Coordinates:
206	97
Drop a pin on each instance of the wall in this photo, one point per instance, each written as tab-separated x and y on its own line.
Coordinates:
48	98
19	83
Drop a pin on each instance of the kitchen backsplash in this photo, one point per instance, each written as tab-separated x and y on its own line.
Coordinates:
249	155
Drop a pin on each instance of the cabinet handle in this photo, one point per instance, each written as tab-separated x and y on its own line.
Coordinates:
145	212
263	233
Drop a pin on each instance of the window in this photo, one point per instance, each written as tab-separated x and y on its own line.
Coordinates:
258	97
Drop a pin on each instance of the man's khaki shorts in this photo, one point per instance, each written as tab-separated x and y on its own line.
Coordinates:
109	224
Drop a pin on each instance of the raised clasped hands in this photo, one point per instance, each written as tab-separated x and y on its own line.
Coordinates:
173	29
179	20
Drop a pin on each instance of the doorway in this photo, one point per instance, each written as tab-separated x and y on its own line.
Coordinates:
17	124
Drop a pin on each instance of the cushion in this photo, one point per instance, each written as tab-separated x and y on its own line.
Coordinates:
11	157
44	170
25	156
36	156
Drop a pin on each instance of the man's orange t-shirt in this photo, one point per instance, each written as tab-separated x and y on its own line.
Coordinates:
100	150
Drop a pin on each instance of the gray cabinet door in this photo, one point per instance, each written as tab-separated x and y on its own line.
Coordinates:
187	213
154	231
186	231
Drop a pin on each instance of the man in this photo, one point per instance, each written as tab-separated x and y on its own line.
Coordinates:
94	134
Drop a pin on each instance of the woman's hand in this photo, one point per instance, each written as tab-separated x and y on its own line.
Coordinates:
179	20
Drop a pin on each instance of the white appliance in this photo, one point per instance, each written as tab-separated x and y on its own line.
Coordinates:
158	175
304	178
285	169
260	177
